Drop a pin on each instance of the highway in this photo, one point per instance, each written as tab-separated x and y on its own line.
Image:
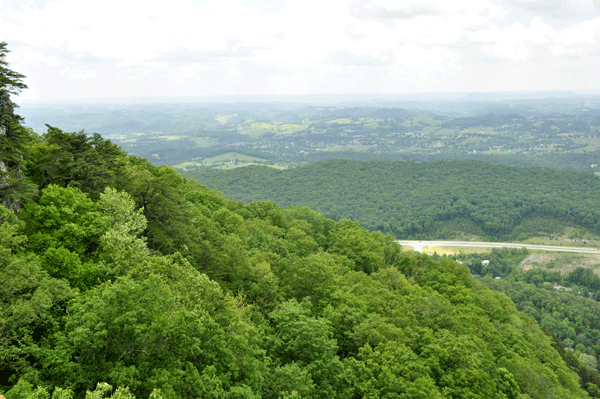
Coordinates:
418	246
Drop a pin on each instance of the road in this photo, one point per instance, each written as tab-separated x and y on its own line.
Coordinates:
418	246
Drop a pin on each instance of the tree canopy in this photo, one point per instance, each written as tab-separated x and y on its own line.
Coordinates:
436	200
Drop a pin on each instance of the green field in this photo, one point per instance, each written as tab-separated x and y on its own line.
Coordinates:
258	129
562	262
230	160
205	142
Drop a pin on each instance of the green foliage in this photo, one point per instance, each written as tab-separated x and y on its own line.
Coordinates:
585	278
321	308
307	341
174	223
354	242
149	333
443	199
290	381
76	160
392	370
102	391
63	217
15	188
62	263
64	228
229	222
314	277
121	247
10	239
32	306
10	81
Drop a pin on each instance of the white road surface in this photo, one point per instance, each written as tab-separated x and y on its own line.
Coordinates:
418	246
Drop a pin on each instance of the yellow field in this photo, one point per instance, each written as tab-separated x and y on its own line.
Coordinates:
455	250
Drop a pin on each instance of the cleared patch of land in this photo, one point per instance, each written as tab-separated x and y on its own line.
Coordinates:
258	129
562	247
561	262
549	259
228	160
440	250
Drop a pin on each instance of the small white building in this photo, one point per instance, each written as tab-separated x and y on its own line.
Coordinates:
561	288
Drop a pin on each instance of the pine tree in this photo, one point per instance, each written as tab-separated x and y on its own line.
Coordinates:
11	82
15	188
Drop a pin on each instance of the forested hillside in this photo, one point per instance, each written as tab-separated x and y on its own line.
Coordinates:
566	305
161	284
115	273
442	199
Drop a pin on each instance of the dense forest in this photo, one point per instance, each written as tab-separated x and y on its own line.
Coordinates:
118	274
567	305
442	199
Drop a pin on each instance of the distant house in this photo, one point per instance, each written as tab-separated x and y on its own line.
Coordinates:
485	262
561	288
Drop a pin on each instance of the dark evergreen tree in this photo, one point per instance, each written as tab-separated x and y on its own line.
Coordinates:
14	187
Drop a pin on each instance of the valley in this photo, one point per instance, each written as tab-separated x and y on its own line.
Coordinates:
558	133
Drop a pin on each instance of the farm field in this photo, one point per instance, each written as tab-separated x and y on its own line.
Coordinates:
562	262
229	160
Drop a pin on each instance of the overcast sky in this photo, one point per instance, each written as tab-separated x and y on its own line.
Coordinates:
71	49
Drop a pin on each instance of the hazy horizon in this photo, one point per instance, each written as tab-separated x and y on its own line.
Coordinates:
74	50
324	99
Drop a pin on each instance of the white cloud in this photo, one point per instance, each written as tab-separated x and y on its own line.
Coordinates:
559	9
70	48
586	32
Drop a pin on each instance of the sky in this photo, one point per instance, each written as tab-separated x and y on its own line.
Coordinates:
110	49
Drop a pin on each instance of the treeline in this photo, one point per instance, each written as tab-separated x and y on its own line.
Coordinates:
580	161
441	199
